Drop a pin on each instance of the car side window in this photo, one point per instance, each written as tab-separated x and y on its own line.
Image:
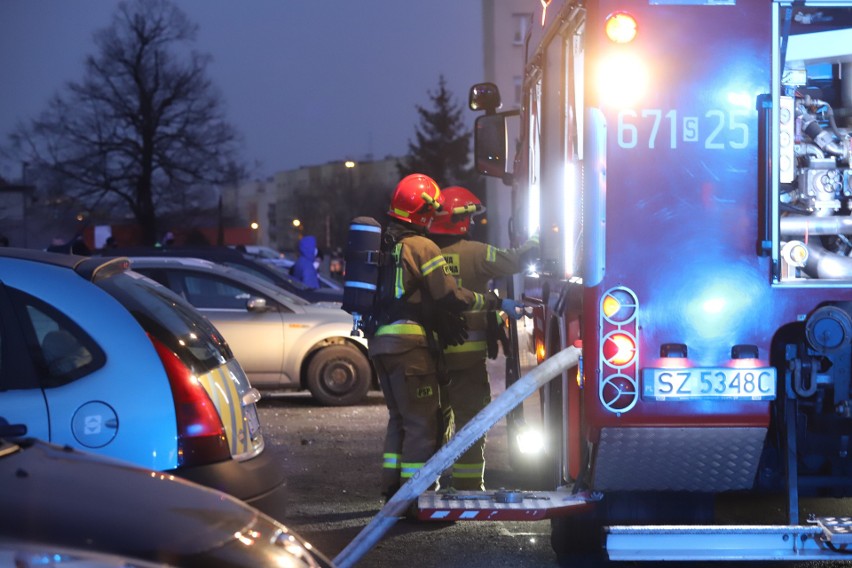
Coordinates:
259	274
159	276
66	352
205	291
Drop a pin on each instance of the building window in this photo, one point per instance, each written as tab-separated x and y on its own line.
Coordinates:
518	81
522	25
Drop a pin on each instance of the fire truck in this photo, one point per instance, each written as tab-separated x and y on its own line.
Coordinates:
687	166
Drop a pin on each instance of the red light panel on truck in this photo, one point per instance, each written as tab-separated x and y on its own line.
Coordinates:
619	356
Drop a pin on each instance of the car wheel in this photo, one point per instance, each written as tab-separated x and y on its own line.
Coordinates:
339	375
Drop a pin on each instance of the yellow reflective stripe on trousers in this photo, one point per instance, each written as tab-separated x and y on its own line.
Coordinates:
430	266
467	347
401	329
479	303
468	470
409	469
391	461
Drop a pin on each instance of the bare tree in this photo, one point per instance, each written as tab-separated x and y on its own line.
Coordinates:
144	126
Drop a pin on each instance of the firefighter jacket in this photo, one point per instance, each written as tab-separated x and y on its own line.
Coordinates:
474	264
422	282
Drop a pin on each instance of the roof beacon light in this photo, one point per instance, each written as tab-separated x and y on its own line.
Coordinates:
621	27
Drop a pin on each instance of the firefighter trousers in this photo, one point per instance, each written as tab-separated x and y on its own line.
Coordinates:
409	382
467	393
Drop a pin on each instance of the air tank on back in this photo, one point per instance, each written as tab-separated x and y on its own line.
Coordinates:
363	247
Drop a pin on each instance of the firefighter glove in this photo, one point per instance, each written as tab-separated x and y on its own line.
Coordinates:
513	309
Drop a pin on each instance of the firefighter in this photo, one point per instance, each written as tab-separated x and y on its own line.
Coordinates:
473	264
415	284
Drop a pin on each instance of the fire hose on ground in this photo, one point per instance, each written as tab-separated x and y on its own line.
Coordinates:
448	454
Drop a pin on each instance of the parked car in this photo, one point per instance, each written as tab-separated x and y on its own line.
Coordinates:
97	357
286	265
271	256
63	507
282	341
261	252
272	273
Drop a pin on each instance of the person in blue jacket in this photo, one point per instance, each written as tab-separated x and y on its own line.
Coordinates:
304	269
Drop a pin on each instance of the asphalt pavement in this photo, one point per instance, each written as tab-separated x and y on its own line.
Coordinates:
332	460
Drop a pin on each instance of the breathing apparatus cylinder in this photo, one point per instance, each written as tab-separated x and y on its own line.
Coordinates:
363	249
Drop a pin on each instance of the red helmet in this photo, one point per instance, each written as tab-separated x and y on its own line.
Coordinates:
458	208
415	200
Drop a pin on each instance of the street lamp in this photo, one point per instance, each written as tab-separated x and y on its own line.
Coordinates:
297	227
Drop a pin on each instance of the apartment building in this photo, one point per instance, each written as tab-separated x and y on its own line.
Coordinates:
504	29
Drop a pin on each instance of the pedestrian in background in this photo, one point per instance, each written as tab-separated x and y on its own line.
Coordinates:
474	264
305	269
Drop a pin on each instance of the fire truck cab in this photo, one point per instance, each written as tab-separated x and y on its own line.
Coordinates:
687	164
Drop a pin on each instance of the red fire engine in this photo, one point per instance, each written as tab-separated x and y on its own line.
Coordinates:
687	164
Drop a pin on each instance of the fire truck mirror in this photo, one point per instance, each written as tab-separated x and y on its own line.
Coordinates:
490	148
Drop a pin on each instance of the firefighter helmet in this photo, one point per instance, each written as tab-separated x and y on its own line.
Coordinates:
459	206
415	200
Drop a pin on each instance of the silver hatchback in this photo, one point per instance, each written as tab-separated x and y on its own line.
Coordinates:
281	341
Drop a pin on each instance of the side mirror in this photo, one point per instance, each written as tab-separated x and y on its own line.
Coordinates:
255	304
490	146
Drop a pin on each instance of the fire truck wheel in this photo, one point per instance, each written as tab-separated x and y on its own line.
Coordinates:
339	375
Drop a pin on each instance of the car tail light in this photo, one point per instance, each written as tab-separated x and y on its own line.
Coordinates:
201	435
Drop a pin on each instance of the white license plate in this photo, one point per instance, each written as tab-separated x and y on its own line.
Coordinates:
252	419
709	383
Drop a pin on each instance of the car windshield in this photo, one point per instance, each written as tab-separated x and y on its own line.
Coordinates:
171	320
264	252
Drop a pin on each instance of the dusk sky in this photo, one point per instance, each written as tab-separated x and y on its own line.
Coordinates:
304	81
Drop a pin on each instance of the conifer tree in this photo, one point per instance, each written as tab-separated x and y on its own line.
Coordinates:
442	145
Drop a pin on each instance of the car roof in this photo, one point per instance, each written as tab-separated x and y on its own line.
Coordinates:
176	260
209	267
212	253
90	268
222	254
186	251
